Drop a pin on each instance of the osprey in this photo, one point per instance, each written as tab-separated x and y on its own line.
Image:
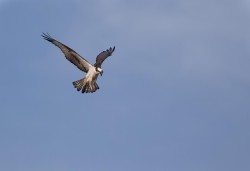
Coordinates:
88	83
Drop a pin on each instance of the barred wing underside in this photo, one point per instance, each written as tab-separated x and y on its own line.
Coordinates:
103	55
70	54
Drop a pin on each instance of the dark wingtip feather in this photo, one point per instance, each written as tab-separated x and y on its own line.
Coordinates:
47	37
110	50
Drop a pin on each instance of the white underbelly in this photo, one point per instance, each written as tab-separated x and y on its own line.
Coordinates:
92	74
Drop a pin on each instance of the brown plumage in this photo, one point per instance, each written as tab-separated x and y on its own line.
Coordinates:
88	83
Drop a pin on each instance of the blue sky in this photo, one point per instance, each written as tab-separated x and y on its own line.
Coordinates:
174	95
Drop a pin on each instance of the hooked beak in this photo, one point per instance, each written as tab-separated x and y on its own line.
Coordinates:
101	73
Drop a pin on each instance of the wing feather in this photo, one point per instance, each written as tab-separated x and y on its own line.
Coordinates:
103	55
70	54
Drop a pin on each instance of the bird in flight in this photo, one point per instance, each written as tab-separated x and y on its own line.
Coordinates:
88	83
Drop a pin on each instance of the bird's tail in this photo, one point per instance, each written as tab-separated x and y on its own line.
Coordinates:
85	86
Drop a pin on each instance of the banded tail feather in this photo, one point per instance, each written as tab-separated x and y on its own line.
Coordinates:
85	86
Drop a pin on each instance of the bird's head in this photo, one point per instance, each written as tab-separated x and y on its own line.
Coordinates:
99	70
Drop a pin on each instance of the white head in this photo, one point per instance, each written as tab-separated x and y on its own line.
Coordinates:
98	69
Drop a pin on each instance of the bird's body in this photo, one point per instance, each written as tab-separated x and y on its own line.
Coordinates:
88	83
92	74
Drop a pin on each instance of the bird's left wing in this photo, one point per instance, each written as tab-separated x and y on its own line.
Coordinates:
103	55
70	54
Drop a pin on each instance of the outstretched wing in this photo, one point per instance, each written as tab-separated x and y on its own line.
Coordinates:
103	55
70	54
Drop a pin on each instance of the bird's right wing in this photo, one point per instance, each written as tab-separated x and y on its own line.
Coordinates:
70	54
103	55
